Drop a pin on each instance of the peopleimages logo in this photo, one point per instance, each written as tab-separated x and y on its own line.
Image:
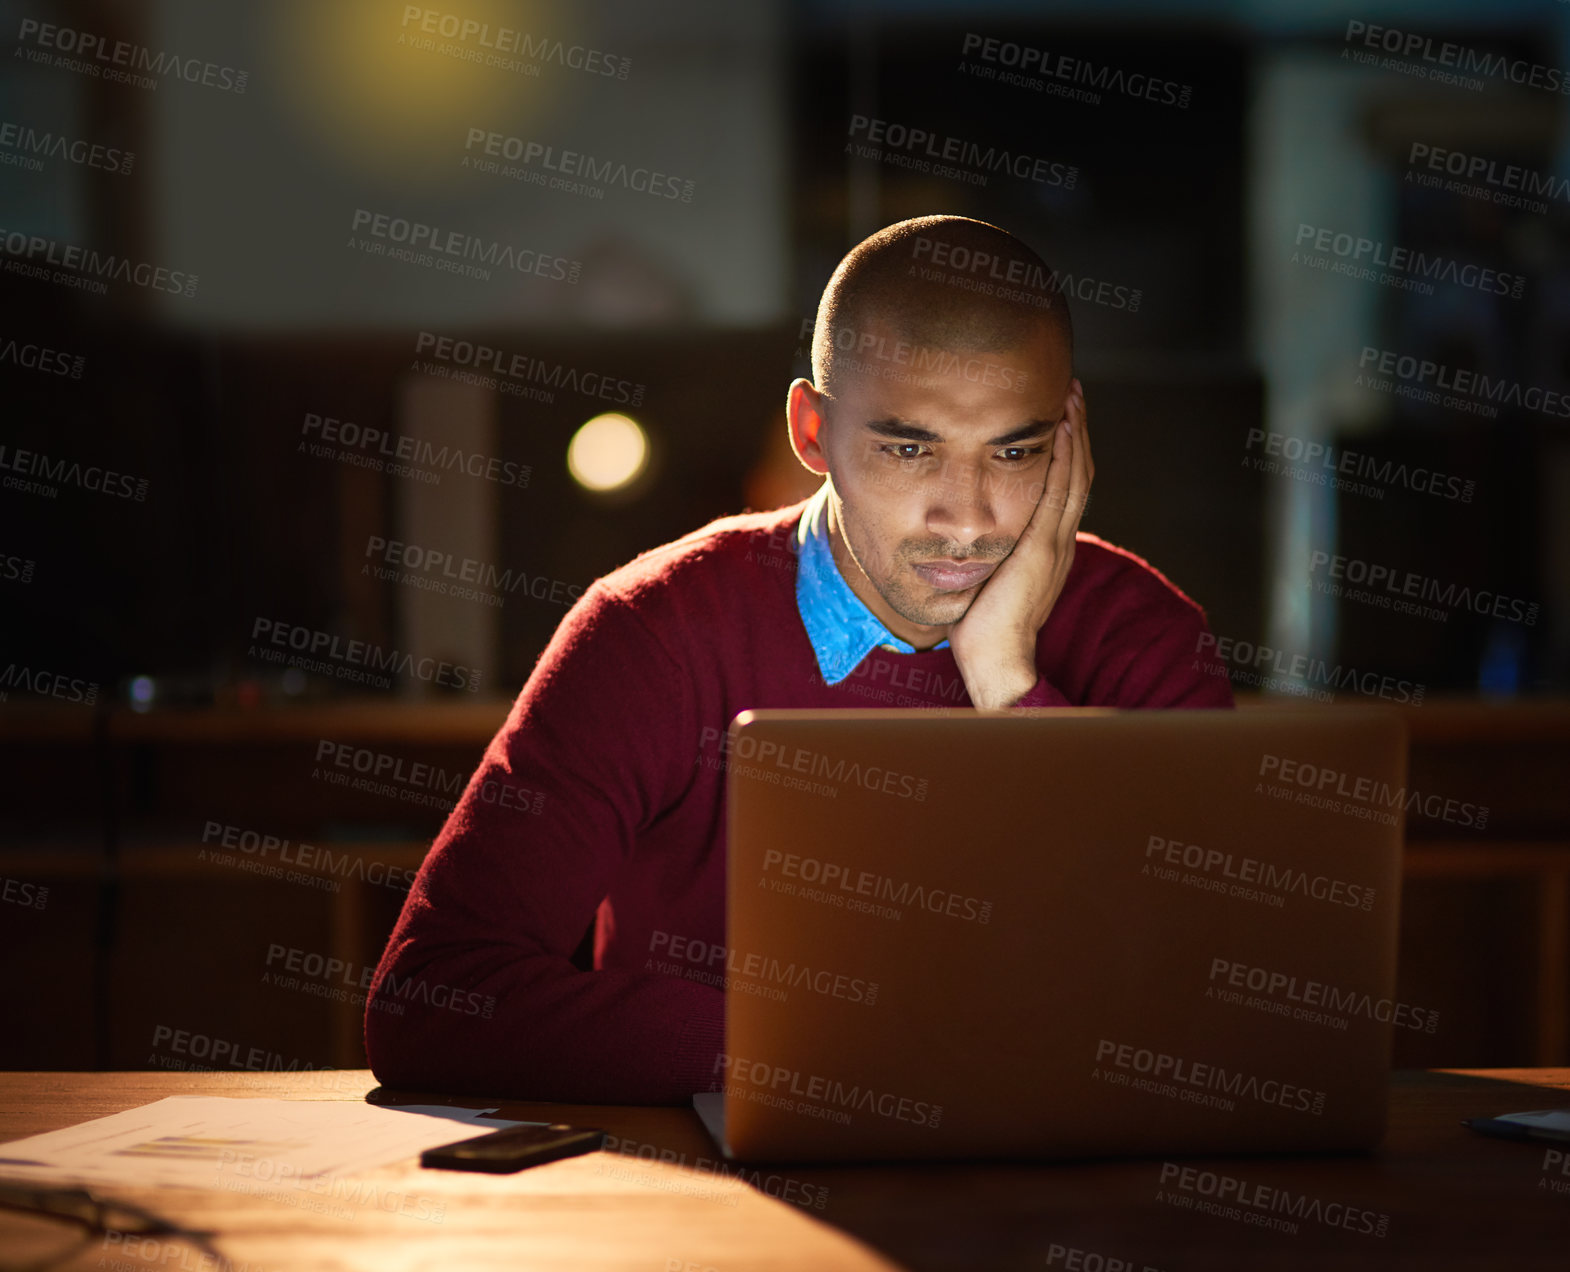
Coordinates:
772	1084
284	1182
1070	70
871	777
379	773
32	896
445	574
696	959
862	351
22	145
233	1055
1404	267
91	54
338	975
1257	1205
921	149
1299	672
1317	780
1307	993
1483	390
310	857
572	168
315	645
491	43
782	1187
1189	1077
41	358
1015	279
1410	44
384	447
1555	1161
47	684
1265	880
452	251
511	366
1077	1259
1390	587
16	569
837	882
1343	469
1508	185
147	1252
101	481
33	256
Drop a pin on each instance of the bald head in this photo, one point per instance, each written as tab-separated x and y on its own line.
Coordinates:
938	282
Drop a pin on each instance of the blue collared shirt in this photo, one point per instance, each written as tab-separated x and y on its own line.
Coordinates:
841	628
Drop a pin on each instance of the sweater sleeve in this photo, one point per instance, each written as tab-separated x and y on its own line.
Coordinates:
1184	669
1043	694
1127	638
1162	664
1157	652
476	992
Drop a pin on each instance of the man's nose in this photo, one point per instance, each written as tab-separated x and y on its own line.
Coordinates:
961	507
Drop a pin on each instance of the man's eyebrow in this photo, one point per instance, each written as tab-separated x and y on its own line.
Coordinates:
905	431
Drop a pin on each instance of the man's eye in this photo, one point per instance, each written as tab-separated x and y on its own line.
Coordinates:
895	450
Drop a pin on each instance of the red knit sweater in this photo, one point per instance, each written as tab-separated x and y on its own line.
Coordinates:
602	796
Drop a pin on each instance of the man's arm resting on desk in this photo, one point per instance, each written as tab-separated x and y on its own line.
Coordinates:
476	992
535	1027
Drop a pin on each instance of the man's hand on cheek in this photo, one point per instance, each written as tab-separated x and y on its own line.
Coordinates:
995	642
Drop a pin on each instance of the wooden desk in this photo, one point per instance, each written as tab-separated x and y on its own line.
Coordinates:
1449	1199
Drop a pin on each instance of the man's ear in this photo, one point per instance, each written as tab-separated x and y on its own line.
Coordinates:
804	414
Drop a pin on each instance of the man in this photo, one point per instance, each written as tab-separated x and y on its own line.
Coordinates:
937	566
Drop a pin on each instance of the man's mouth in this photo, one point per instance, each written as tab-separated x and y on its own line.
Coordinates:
953	576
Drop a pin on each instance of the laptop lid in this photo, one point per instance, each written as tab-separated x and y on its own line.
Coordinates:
1060	933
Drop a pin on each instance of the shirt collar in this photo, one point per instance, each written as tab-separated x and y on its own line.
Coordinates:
843	631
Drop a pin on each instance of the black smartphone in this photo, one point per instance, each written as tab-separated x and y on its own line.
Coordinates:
514	1147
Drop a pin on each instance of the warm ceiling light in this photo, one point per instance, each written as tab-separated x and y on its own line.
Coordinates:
608	452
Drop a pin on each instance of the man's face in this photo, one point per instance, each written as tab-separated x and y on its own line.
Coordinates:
936	455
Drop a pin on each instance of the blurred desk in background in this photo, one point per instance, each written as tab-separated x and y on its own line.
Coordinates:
123	817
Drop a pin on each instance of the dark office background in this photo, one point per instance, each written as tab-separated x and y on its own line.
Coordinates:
1196	207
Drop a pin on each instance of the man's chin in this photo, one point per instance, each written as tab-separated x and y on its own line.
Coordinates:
940	613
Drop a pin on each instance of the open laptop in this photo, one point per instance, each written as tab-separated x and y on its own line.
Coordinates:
1059	933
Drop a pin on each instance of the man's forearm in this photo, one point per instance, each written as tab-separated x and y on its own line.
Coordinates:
544	1031
1000	686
